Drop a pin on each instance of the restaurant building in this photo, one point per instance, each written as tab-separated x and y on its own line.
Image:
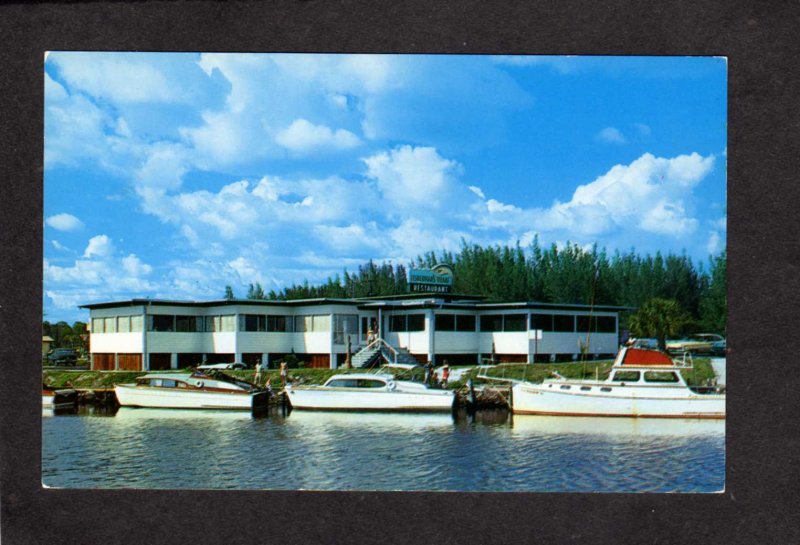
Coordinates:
148	334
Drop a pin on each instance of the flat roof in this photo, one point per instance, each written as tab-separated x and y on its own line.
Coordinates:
397	302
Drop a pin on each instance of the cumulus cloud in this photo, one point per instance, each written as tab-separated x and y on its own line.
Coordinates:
303	137
64	222
118	78
100	245
412	176
611	135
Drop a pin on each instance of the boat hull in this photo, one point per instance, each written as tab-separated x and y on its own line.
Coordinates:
620	402
161	398
321	399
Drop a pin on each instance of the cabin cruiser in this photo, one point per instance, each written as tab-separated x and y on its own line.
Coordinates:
641	383
370	392
197	390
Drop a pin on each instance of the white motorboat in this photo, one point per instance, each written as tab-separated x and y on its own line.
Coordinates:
641	383
370	392
196	390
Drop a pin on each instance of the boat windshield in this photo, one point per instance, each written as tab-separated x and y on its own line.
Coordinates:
355	383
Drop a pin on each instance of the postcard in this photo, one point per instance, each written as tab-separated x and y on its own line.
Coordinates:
384	272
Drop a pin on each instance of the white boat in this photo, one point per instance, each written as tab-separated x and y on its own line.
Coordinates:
370	392
196	390
58	400
641	383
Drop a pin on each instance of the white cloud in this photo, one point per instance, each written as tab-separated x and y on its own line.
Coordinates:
64	222
477	191
99	245
714	244
411	177
611	135
303	137
116	78
58	246
351	238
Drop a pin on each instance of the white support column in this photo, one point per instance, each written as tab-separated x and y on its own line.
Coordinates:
264	360
116	361
173	360
332	353
429	327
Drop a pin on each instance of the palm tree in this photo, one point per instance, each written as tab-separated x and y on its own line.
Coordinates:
658	318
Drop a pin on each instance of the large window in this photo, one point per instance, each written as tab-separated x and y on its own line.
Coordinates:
455	322
465	322
492	322
252	322
564	323
123	324
308	323
344	325
597	324
279	324
407	323
218	324
136	323
161	322
543	322
97	325
111	324
515	322
606	324
189	324
445	322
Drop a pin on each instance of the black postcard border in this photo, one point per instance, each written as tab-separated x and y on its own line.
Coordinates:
763	444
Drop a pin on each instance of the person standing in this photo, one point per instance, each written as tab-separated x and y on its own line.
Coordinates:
257	376
284	374
445	374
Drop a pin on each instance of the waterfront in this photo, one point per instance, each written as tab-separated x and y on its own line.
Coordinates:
490	451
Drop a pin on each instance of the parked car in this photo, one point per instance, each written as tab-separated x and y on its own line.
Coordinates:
699	343
718	348
236	366
62	356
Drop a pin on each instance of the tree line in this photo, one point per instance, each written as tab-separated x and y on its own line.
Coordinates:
569	274
67	336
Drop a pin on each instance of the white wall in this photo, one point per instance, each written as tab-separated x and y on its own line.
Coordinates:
121	343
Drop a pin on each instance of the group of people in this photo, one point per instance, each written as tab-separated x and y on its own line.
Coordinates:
284	374
431	377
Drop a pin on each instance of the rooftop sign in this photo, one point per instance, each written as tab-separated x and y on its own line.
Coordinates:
438	279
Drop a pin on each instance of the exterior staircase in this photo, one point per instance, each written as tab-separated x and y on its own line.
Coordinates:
377	350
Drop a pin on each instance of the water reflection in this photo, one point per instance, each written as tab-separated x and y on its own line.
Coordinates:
373	420
621	427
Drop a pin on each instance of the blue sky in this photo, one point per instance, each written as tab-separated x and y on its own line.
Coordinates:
172	175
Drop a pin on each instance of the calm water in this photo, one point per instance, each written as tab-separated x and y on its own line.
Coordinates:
149	448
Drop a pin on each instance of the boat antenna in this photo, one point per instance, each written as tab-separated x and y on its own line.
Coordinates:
595	276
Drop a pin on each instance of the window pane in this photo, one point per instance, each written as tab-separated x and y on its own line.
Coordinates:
606	324
344	325
515	322
250	322
322	322
97	325
186	324
445	322
124	324
542	321
492	322
626	376
465	322
656	376
210	323
162	322
136	323
397	323
583	323
228	322
302	323
563	322
416	322
370	383
111	325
